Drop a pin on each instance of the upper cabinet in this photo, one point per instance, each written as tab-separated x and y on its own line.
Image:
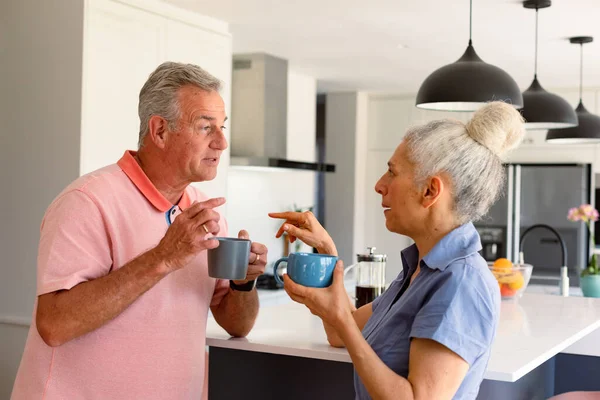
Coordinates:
211	51
389	117
124	41
122	46
535	149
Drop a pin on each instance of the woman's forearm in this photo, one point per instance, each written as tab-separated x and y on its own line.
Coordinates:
332	336
327	248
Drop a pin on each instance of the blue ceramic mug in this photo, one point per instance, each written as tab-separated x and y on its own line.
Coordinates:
308	269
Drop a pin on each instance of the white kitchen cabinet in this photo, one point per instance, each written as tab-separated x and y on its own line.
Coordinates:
122	46
124	41
390	116
211	51
537	138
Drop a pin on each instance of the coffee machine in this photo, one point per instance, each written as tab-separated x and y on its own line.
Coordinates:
492	242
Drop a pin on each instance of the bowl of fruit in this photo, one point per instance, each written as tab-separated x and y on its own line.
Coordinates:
512	278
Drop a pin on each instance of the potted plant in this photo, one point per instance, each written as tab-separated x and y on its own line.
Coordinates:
590	276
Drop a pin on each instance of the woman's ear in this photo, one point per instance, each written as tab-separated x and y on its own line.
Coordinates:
434	187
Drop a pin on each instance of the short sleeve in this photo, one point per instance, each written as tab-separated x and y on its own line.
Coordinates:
221	285
460	315
74	244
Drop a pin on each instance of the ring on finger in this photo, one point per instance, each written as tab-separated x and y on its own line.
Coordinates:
257	259
205	228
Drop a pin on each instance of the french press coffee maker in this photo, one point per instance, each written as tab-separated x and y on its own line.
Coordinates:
370	276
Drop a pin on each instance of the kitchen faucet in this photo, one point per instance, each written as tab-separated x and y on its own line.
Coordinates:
564	278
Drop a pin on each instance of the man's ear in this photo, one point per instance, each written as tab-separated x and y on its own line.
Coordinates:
157	131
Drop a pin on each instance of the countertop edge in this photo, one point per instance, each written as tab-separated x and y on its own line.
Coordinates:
240	344
343	356
536	362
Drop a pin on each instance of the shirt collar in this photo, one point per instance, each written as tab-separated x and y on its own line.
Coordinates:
459	243
135	173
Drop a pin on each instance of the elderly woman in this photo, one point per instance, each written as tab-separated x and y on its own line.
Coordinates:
428	336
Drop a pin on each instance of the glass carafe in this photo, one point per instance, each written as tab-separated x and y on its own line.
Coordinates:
369	274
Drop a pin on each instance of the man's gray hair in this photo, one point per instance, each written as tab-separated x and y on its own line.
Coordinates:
159	94
470	154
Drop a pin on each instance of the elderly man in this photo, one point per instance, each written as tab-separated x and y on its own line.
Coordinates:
123	289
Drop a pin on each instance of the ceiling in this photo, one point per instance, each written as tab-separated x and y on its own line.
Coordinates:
392	45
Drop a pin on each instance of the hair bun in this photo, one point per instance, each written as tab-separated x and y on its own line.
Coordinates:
497	126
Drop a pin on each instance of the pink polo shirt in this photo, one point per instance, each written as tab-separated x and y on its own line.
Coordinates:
154	349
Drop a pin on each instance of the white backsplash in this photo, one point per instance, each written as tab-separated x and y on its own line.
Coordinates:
253	193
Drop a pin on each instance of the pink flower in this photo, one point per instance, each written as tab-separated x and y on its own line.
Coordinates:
574	215
585	213
586	209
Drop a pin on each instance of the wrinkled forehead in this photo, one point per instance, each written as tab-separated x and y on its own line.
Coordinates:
195	102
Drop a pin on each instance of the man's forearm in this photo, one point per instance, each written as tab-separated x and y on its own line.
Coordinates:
237	312
68	314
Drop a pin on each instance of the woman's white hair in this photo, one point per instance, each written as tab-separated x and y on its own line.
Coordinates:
159	94
470	154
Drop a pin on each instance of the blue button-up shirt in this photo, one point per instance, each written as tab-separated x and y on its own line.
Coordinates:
454	300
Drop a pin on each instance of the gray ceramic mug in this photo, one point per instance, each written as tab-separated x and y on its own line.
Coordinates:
230	259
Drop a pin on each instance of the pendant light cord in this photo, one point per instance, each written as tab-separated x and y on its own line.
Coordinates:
470	22
536	44
581	73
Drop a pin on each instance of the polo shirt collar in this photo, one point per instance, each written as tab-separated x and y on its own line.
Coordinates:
135	173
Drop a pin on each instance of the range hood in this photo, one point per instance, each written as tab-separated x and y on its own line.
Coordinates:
259	114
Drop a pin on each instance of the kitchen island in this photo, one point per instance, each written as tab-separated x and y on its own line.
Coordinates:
286	356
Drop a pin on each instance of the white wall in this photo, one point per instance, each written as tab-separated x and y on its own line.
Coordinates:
40	101
254	192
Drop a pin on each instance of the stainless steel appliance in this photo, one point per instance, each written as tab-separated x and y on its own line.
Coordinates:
540	194
492	242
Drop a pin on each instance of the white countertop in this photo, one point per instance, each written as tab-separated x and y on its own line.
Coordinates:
532	330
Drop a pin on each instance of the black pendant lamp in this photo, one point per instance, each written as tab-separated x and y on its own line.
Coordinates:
588	130
541	109
468	83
